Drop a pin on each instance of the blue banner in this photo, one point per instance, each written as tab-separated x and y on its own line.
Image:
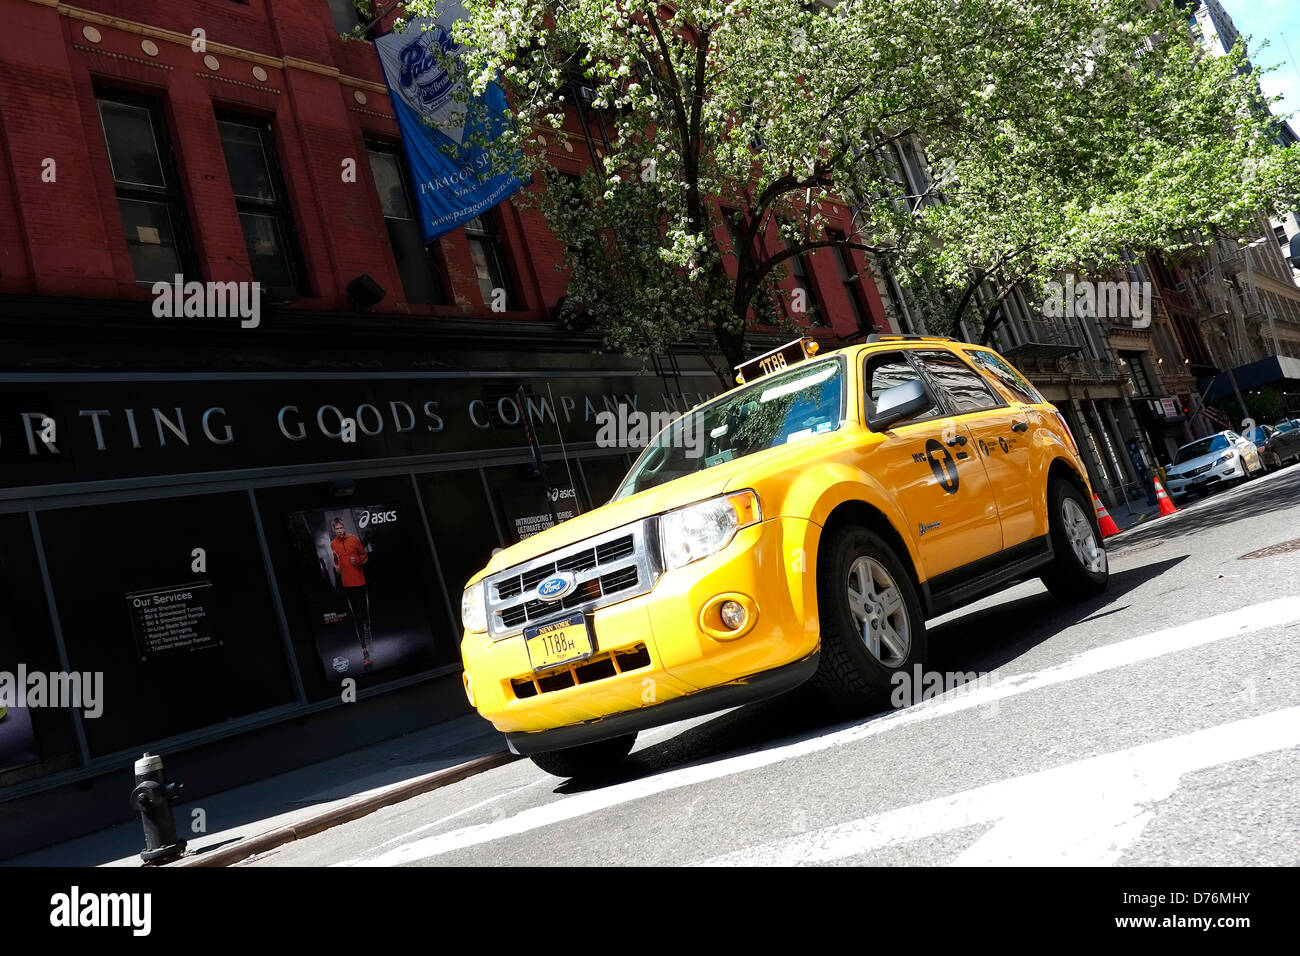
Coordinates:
452	176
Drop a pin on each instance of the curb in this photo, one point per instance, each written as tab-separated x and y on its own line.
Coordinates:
251	846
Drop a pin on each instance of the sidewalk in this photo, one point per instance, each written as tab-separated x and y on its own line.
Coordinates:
244	820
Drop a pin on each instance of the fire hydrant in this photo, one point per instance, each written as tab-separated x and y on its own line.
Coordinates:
153	797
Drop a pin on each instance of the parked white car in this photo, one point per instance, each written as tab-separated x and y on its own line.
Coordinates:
1222	458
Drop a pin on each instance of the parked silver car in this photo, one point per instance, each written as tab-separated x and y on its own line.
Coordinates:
1222	458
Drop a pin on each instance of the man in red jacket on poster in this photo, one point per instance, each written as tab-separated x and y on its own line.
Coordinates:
349	557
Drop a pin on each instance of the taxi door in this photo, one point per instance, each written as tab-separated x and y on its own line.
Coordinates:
930	464
1002	435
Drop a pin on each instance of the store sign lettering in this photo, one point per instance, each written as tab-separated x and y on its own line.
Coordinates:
179	426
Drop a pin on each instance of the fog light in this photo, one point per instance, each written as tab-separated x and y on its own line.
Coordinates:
733	615
469	687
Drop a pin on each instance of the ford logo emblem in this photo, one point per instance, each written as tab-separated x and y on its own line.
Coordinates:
556	587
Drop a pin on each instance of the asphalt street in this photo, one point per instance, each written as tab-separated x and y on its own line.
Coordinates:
1158	724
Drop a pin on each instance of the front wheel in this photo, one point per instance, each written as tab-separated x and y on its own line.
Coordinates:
871	620
1080	569
585	760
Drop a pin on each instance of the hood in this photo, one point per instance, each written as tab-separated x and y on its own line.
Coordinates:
665	497
709	483
1193	464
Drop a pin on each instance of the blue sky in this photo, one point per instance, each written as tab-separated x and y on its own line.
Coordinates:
1275	21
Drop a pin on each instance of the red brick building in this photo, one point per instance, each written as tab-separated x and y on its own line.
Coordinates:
319	103
151	462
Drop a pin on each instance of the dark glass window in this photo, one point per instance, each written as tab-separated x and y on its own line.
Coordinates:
852	279
147	188
888	370
344	14
1137	372
262	203
421	277
962	387
603	476
485	248
799	272
179	649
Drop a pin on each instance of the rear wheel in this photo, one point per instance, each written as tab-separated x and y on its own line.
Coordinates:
1080	569
872	625
585	760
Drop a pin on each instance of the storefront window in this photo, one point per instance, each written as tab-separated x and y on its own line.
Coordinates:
168	600
357	581
528	504
35	730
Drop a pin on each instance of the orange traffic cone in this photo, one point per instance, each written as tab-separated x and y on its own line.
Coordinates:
1162	497
1108	526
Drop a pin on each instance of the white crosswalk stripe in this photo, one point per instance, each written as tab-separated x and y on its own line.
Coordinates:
1082	814
1235	623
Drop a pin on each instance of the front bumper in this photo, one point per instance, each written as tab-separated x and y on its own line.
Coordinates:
760	686
1179	487
664	647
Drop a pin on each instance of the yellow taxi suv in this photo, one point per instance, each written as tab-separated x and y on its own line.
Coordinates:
800	527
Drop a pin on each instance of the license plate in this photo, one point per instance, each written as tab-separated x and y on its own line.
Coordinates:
559	642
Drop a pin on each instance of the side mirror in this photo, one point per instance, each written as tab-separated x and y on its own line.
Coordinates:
897	403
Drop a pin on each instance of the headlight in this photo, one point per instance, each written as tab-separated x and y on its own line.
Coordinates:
473	609
1228	457
702	529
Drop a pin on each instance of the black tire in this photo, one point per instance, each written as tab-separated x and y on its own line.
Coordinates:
849	677
1067	577
585	760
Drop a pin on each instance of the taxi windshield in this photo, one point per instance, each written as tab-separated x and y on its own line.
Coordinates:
805	400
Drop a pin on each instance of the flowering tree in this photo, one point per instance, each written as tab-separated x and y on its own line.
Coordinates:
1059	132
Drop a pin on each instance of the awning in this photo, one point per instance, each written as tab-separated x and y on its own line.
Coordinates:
1279	370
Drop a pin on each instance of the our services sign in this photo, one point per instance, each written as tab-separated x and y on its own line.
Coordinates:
453	181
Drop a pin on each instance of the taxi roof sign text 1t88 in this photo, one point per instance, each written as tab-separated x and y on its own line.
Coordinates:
777	359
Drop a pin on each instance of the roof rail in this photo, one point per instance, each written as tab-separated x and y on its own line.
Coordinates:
878	337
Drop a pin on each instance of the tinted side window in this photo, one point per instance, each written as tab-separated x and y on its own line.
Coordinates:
961	385
890	369
1005	373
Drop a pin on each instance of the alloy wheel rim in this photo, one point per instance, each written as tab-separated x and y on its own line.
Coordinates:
879	612
1083	539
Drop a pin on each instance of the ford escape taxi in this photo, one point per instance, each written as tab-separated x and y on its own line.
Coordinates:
800	527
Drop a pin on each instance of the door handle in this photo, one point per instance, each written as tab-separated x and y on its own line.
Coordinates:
959	440
1020	426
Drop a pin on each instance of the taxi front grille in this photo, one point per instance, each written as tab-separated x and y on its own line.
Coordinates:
592	590
1198	471
617	565
600	667
584	560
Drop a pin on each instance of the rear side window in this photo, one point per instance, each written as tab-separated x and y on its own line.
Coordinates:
961	386
891	369
1005	373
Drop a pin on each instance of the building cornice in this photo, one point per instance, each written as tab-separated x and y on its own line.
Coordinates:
220	49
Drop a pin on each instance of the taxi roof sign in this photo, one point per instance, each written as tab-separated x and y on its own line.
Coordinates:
777	359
